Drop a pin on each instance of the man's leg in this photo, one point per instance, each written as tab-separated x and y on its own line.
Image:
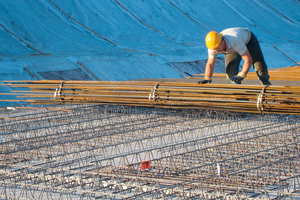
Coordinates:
259	63
232	63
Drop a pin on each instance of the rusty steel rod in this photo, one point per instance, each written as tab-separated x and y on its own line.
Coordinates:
238	98
284	74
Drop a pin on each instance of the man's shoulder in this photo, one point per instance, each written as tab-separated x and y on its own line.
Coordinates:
234	30
212	53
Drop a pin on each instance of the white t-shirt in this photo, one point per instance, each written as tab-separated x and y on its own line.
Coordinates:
236	40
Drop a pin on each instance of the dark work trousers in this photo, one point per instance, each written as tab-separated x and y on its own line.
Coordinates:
232	62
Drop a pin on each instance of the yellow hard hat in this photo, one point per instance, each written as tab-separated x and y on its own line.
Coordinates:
213	39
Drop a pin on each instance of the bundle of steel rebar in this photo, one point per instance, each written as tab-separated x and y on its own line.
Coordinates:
283	74
239	98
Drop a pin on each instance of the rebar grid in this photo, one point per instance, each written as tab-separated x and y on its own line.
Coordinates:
98	152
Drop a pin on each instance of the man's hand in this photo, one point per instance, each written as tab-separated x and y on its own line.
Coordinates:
205	80
238	78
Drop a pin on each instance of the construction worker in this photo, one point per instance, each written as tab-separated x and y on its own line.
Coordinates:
236	44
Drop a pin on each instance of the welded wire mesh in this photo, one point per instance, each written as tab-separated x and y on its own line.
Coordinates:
123	152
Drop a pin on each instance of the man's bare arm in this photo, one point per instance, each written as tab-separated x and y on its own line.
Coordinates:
247	61
210	65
